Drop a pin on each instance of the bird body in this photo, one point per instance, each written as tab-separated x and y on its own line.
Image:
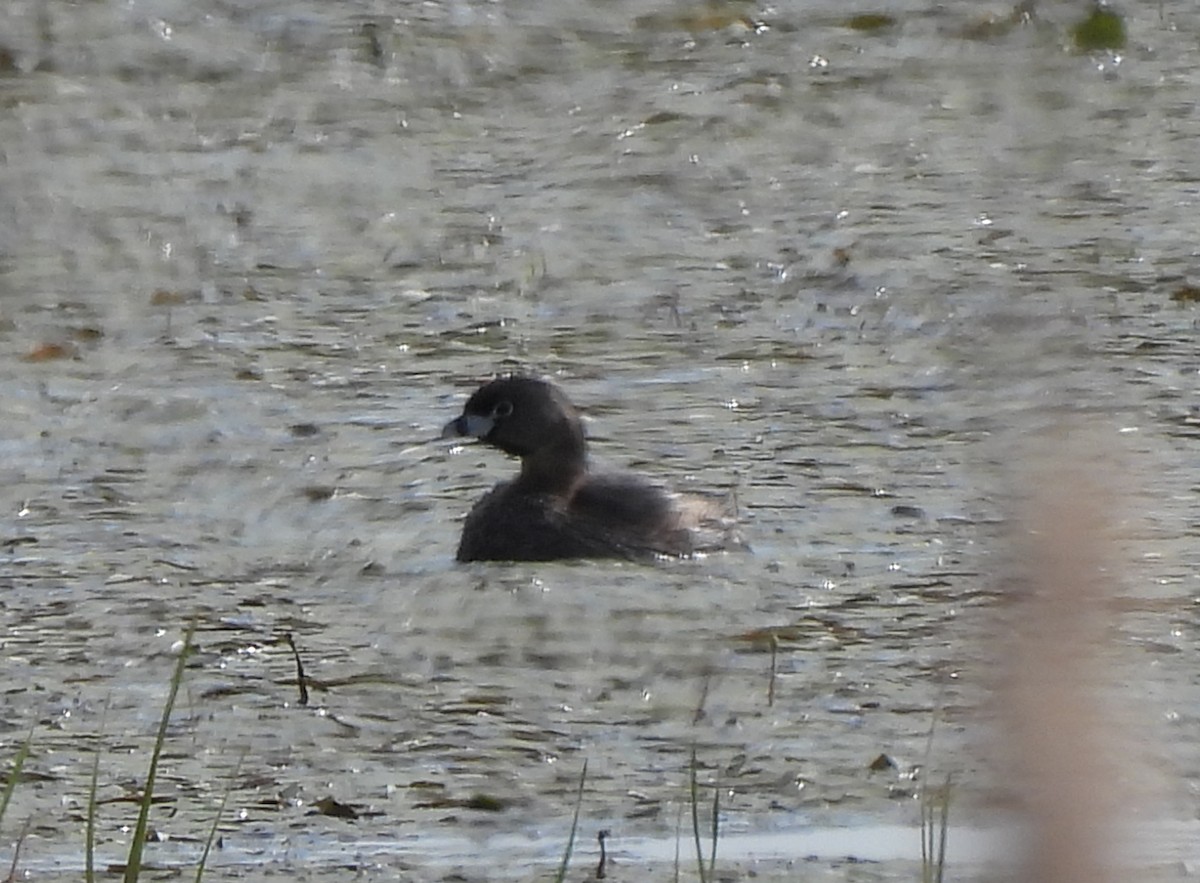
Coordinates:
556	508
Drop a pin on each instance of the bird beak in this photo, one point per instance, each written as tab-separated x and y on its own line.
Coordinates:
468	425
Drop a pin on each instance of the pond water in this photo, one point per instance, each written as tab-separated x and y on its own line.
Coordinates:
853	274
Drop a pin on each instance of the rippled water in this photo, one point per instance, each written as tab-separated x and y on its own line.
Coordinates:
253	256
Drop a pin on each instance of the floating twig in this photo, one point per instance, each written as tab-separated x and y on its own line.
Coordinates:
602	836
301	680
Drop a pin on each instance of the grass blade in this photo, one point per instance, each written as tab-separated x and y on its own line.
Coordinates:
945	823
16	861
678	831
926	800
133	864
90	833
562	871
774	670
212	834
935	824
18	763
716	822
695	788
89	846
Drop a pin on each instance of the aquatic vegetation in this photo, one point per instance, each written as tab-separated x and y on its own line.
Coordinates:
935	820
566	859
15	774
212	832
10	786
90	830
871	22
133	863
709	874
1102	29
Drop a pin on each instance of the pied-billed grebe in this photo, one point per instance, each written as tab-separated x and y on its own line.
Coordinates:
555	508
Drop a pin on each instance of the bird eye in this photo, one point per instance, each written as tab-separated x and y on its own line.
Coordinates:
502	409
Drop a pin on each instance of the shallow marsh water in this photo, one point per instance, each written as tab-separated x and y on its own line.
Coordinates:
847	276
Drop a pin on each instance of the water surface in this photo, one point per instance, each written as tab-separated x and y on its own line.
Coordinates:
253	256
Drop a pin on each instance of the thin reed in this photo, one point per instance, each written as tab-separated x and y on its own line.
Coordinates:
212	832
566	859
935	820
18	764
706	873
133	863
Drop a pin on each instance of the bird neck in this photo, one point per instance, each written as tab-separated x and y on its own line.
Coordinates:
556	469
